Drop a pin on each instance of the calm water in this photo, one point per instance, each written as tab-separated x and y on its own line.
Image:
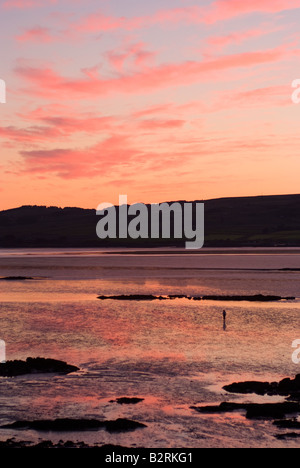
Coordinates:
174	354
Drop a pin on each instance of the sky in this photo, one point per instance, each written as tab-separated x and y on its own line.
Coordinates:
160	101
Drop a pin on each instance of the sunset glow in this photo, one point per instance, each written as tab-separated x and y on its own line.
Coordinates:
168	100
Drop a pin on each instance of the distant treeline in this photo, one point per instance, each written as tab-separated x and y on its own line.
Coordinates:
229	222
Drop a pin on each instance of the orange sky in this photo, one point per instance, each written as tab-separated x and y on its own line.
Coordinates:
173	99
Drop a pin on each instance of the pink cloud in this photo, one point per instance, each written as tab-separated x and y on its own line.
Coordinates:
268	96
111	155
120	156
69	125
154	110
136	54
116	156
23	4
271	96
46	82
159	124
38	34
100	22
28	135
59	127
219	10
258	97
222	10
51	128
217	43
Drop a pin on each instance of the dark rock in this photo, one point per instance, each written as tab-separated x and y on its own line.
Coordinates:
288	424
289	435
178	296
254	410
294	396
259	388
225	407
140	297
74	425
270	411
12	443
255	298
16	278
35	366
283	388
123	425
133	298
127	401
288	386
63	425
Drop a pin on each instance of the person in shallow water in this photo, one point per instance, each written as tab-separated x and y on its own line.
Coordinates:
224	319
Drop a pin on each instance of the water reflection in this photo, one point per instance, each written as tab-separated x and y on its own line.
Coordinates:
163	351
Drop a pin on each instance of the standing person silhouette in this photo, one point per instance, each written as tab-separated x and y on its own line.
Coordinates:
224	319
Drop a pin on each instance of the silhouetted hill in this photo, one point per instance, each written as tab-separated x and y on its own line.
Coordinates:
248	221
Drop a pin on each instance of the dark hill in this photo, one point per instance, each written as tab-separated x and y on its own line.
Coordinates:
248	221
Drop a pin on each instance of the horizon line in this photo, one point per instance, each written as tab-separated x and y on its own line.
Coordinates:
157	203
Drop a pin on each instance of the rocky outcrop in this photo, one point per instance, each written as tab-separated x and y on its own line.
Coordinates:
288	388
255	298
141	297
12	443
127	401
16	278
285	387
133	297
288	424
75	425
35	366
254	410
